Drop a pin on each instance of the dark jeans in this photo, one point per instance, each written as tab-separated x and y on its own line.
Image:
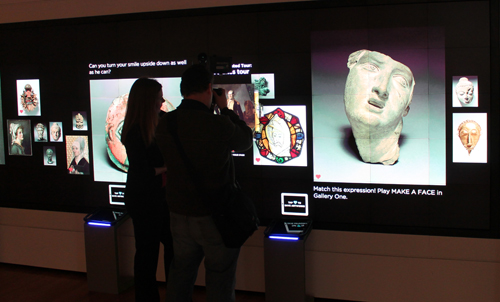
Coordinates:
195	238
149	231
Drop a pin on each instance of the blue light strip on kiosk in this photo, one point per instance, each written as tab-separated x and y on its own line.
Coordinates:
283	238
105	224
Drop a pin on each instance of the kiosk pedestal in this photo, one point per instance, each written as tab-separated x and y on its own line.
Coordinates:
107	270
284	260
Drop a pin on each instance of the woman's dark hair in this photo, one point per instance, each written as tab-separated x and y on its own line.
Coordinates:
195	79
142	109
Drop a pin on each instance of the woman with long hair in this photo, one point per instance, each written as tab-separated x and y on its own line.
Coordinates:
145	191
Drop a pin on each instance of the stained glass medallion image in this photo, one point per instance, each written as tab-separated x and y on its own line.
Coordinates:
280	137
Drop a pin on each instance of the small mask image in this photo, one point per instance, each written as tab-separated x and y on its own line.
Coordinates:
80	121
465	91
469	132
470	138
56	131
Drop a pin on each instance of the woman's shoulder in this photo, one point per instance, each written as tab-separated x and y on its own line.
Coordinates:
83	161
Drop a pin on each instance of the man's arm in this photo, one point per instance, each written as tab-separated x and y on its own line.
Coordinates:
241	140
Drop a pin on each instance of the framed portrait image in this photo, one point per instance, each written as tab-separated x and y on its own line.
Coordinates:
77	155
19	137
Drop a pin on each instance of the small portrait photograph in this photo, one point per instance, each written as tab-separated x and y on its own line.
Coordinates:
264	84
465	91
470	138
19	137
40	133
280	137
56	132
80	121
77	154
28	97
49	156
240	99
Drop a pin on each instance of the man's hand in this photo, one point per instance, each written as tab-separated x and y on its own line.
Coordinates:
220	100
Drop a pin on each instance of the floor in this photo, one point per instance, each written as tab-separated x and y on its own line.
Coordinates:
31	284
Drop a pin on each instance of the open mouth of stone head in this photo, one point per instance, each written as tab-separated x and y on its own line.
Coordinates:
376	103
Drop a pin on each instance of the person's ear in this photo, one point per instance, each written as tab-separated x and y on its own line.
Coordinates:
405	113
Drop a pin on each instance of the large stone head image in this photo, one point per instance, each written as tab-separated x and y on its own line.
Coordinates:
377	96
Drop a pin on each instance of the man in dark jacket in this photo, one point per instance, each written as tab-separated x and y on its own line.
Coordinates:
207	140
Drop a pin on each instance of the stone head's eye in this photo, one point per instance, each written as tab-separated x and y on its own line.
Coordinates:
464	132
370	67
402	81
474	132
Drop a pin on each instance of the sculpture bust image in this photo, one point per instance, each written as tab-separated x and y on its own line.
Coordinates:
377	96
49	153
465	91
55	132
40	131
79	121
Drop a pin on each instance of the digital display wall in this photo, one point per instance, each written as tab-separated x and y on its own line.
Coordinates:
365	118
2	147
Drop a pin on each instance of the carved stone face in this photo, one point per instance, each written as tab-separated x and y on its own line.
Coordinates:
469	133
79	121
377	96
40	129
378	93
55	132
465	91
49	153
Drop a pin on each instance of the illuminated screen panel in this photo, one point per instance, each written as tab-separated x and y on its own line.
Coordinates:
29	100
470	138
108	99
240	99
330	97
280	138
2	147
361	93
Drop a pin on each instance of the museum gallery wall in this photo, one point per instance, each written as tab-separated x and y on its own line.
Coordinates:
370	118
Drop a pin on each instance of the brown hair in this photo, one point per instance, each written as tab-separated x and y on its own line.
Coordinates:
142	109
